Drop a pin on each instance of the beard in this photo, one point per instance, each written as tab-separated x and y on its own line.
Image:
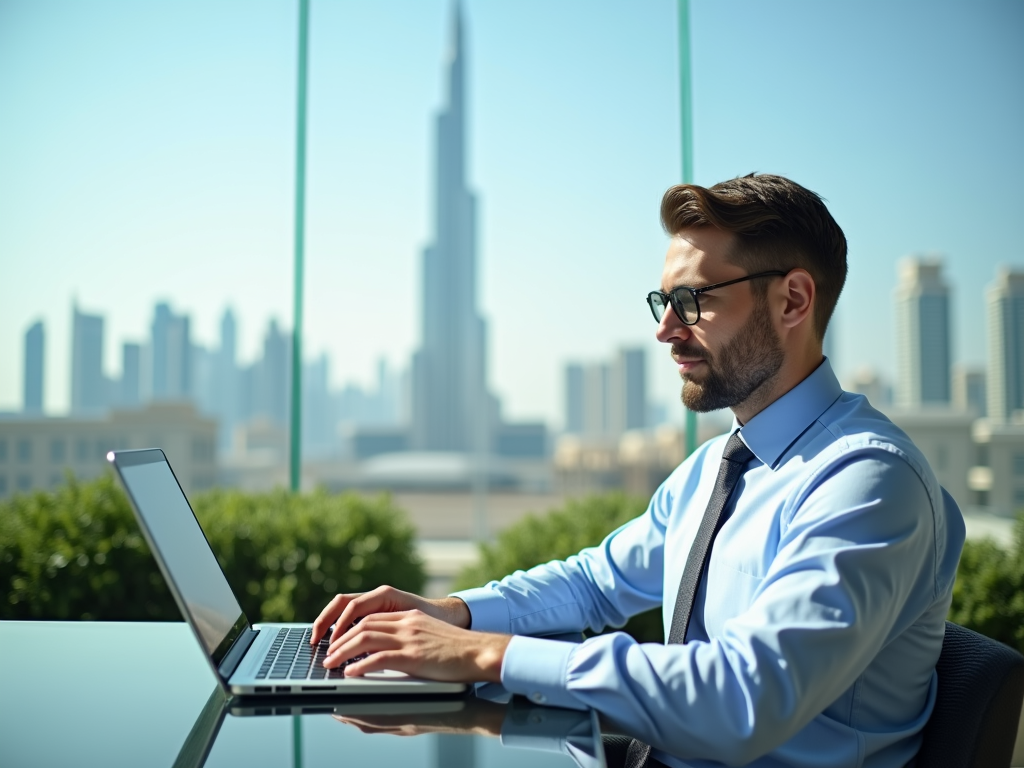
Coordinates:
749	361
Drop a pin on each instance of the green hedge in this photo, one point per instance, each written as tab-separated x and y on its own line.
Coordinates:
988	595
556	535
77	553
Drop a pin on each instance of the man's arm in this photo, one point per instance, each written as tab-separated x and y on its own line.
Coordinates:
429	638
854	567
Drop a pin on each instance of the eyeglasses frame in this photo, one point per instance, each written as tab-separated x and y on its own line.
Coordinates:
670	299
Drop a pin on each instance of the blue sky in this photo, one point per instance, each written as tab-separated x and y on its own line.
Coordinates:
146	153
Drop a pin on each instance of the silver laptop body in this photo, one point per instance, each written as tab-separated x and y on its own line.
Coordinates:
237	651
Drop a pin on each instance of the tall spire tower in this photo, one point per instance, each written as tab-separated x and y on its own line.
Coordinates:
451	405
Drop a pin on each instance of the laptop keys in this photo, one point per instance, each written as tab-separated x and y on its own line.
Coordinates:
291	657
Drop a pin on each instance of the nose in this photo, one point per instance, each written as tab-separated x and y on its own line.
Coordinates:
671	328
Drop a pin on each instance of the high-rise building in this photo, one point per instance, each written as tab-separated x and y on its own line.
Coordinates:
88	385
130	394
452	410
33	390
627	391
606	399
270	377
227	394
596	380
868	382
170	358
574	398
319	436
969	390
923	359
1006	345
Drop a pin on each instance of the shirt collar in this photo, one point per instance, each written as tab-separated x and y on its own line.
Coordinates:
774	429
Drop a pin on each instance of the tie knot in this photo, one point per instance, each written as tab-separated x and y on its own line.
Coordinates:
736	450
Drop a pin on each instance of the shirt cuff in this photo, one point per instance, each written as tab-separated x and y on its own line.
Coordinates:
488	609
537	669
542	728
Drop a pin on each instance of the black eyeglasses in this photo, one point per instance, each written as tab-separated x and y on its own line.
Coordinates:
684	299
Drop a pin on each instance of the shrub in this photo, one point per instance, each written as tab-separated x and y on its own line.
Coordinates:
556	535
988	595
77	553
285	555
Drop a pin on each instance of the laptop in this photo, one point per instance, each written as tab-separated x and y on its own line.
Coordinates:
248	659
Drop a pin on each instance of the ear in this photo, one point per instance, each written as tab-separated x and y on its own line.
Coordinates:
797	299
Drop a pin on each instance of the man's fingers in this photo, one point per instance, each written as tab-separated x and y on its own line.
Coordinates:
362	643
372	622
376	662
359	606
327	617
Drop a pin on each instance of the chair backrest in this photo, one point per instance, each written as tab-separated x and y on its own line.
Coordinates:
981	688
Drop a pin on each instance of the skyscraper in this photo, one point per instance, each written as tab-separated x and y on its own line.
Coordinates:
627	391
170	359
606	399
596	380
88	385
923	364
129	394
227	395
34	346
271	377
1006	345
451	407
574	398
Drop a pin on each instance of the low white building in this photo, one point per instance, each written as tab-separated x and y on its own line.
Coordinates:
998	477
36	452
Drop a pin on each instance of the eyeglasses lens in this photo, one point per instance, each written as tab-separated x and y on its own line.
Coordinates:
657	304
686	303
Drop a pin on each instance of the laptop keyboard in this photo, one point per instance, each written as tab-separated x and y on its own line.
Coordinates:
291	657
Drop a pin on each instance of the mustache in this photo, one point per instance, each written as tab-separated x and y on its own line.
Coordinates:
681	350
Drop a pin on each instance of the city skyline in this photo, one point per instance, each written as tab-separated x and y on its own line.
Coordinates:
183	195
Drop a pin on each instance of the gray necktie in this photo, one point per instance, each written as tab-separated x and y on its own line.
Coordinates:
734	459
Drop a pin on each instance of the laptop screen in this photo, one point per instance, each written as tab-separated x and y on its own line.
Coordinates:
181	547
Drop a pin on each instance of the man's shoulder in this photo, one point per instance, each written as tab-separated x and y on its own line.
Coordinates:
851	429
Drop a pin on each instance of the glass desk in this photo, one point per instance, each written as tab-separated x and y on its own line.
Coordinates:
141	694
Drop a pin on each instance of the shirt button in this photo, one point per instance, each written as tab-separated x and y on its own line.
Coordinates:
538	697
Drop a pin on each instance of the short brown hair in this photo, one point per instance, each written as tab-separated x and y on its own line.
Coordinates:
778	225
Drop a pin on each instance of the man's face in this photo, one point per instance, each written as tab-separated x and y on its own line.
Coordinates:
733	352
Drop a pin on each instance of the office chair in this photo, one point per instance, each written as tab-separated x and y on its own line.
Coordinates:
981	687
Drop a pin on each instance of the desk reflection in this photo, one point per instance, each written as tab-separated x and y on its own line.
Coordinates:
486	729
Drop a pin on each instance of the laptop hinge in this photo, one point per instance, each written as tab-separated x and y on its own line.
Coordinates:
234	655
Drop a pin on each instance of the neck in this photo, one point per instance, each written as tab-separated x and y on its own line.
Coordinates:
795	368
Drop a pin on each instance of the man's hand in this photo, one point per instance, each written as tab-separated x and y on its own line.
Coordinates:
344	610
484	718
420	645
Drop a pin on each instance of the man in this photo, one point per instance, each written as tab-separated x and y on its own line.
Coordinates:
804	562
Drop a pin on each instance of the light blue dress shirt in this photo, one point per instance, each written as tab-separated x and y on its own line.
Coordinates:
814	636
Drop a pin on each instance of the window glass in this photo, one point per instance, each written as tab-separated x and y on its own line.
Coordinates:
1018	464
58	450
